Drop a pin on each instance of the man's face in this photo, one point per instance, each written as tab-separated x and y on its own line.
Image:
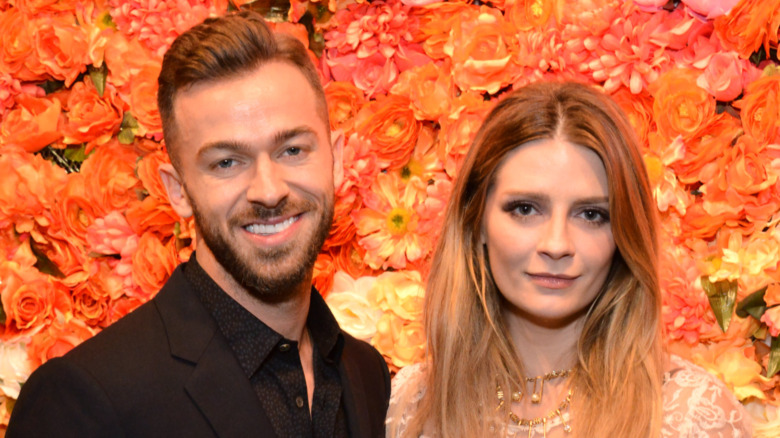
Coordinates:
256	171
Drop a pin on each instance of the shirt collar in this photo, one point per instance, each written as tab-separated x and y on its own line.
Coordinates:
250	338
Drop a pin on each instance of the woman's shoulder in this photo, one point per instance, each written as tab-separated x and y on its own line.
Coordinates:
696	403
408	387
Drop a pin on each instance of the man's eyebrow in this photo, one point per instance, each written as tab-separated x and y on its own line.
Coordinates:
240	147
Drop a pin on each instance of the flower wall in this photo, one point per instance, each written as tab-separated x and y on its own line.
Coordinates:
87	234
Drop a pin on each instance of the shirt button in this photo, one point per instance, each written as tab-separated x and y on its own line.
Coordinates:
299	401
284	347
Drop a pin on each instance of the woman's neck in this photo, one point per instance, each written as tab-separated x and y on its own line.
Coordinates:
544	347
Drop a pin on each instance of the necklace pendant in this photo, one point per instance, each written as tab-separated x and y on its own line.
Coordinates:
516	396
567	428
536	398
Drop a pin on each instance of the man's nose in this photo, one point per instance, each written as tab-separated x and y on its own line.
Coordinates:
268	186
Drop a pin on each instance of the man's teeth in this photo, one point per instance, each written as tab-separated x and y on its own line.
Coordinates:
271	229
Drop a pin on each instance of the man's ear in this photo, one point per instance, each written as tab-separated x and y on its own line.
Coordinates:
177	194
337	140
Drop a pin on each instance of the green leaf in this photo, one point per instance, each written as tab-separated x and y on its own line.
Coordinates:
98	76
753	305
76	154
774	358
128	130
45	265
723	299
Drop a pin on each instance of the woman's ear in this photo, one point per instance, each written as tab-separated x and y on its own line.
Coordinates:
177	193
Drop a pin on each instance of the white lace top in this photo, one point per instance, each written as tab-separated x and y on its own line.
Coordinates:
696	404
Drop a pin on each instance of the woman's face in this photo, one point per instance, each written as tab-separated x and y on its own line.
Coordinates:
547	231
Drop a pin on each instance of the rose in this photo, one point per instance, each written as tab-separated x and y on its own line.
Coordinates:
110	180
153	264
771	318
16	46
761	109
389	124
143	102
723	77
436	23
772	294
33	124
344	101
482	52
91	118
74	212
681	107
710	9
400	292
349	301
715	138
639	110
61	46
401	341
57	339
430	89
29	298
750	25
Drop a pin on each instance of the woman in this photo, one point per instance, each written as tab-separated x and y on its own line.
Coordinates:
543	305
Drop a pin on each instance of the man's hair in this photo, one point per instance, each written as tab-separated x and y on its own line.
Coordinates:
224	47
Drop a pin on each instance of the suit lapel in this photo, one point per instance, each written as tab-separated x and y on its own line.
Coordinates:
355	403
217	384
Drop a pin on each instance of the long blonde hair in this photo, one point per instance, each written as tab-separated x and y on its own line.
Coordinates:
618	377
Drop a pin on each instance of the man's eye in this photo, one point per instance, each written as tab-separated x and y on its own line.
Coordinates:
293	150
226	163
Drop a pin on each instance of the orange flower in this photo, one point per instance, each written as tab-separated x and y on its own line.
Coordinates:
349	258
681	107
89	117
529	14
16	46
91	298
430	89
749	25
33	124
61	46
771	318
147	170
57	339
342	230
323	274
772	294
111	182
436	22
703	149
10	87
344	102
482	51
74	212
28	191
389	124
124	61
456	133
143	102
119	308
761	108
639	109
153	263
402	342
388	224
748	167
29	298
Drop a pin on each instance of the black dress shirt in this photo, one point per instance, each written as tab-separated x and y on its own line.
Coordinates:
272	363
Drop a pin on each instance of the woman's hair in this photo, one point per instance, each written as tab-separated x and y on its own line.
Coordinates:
618	376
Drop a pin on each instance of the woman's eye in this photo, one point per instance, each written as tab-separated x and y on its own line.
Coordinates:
594	215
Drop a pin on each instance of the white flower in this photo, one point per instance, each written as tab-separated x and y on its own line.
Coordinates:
350	303
14	368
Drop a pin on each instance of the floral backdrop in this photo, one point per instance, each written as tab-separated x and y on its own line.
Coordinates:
87	234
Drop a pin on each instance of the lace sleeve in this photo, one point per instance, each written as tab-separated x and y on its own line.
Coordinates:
406	392
697	404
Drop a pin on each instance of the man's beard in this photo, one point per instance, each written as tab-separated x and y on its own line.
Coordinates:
278	285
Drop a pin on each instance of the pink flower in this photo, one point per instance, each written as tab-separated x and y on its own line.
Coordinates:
709	9
628	54
650	5
371	43
156	23
109	235
771	318
9	87
724	76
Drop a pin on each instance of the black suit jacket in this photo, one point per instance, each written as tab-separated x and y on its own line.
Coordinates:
165	370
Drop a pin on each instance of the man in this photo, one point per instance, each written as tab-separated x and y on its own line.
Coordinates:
237	343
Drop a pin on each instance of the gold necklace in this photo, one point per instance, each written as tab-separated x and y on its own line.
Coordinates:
531	423
536	397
